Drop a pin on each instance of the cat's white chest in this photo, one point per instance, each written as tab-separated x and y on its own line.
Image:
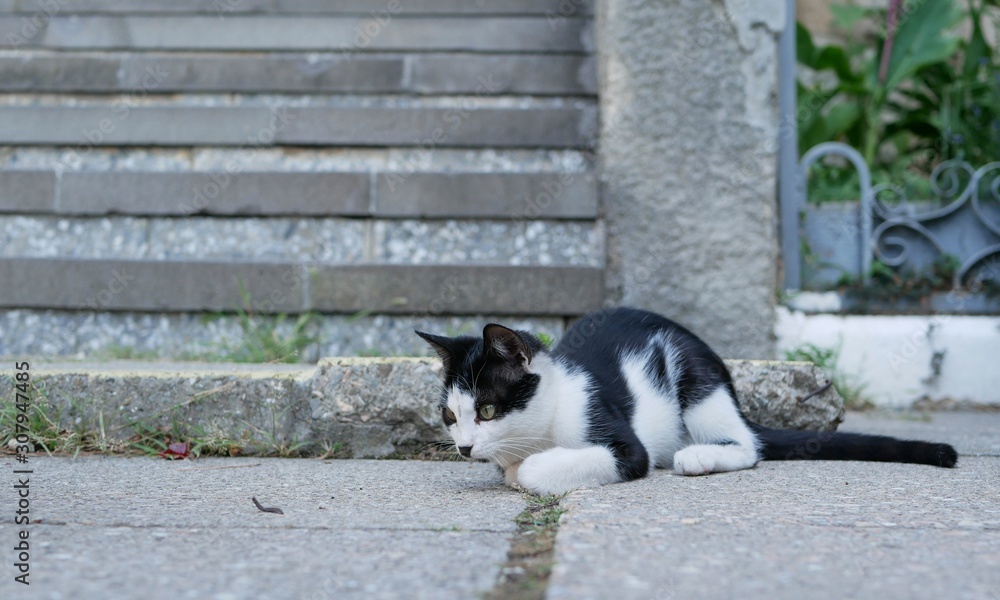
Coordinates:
568	393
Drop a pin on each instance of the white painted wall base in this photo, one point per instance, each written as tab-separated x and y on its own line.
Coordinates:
894	356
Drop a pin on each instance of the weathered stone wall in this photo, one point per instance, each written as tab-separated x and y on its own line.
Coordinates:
688	151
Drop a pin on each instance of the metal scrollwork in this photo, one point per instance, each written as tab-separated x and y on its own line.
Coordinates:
890	223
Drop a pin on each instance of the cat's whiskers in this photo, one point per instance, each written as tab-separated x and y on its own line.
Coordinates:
444	449
497	458
521	447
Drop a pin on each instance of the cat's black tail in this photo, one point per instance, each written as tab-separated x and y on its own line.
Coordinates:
779	444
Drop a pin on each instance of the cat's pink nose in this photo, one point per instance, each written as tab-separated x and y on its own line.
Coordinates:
465	451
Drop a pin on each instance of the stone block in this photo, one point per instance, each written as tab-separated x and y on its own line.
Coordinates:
554	8
348	34
393	398
29	72
503	74
276	287
455	289
208	72
223	192
118	124
504	195
558	8
221	8
786	395
254	126
545	127
27	191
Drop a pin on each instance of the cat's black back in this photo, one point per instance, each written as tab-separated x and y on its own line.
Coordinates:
598	340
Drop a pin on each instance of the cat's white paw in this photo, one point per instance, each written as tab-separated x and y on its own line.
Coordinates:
535	474
696	460
559	470
703	459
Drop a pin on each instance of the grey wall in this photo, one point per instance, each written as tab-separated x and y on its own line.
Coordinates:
688	152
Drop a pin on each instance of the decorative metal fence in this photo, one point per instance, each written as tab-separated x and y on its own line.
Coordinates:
959	227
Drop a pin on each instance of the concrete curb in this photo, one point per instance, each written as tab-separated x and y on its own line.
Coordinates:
373	407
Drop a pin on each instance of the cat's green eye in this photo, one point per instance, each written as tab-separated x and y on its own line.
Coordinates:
449	417
487	412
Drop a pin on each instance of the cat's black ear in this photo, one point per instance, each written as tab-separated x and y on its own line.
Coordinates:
442	345
507	344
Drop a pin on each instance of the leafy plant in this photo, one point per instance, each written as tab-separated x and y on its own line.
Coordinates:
970	109
879	95
888	285
907	97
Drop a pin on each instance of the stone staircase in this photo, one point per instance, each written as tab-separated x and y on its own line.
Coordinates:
388	164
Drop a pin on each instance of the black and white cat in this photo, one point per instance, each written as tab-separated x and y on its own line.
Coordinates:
626	391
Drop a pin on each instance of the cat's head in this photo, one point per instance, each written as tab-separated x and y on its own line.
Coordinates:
489	383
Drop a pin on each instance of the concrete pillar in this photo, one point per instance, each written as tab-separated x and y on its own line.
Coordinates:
688	154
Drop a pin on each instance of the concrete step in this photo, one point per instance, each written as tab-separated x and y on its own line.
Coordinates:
550	8
39	71
296	287
374	407
239	191
256	122
347	34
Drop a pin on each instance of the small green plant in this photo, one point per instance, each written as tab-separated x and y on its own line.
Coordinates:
332	450
542	511
826	359
545	339
889	285
262	340
276	444
42	430
49	430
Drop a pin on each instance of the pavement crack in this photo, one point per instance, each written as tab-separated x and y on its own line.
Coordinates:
525	574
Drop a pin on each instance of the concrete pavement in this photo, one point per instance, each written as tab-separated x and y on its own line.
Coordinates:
797	529
114	527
